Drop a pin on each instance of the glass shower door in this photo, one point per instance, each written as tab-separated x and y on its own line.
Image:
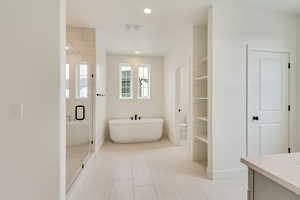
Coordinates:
79	119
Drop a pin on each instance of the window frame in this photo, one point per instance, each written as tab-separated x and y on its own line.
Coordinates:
120	81
78	80
138	80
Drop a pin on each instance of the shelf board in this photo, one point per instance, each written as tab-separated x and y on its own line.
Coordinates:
183	125
201	78
202	118
202	138
201	98
203	59
202	163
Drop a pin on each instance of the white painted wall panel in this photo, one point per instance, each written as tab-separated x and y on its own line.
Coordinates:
100	84
32	148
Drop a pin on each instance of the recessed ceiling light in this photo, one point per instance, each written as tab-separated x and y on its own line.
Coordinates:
137	52
147	11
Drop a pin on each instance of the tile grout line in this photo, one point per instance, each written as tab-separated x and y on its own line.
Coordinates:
133	181
154	185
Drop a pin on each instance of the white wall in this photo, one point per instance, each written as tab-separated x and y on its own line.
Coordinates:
180	55
298	83
32	148
120	108
100	84
233	28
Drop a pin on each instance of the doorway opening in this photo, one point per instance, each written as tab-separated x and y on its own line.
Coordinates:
181	105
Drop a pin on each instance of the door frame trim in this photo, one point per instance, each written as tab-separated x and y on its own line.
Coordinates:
248	49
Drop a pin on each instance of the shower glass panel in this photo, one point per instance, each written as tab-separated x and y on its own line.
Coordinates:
79	117
80	65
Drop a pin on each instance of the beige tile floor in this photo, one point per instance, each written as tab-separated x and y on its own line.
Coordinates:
152	171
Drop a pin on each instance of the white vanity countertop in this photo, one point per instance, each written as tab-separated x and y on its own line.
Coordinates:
283	169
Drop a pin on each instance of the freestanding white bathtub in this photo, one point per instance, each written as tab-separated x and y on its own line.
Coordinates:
134	131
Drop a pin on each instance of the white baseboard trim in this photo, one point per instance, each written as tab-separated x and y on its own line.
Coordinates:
225	174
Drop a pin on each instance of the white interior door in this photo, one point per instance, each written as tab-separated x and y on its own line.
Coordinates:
267	103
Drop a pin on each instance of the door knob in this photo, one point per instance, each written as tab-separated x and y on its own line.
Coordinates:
255	118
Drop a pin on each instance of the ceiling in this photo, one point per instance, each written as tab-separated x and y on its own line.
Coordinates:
153	36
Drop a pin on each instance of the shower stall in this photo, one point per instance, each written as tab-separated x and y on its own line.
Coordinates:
79	136
80	64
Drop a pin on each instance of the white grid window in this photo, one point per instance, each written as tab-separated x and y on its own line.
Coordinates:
82	81
144	81
125	81
67	80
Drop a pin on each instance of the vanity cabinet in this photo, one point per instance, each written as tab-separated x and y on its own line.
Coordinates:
262	188
273	177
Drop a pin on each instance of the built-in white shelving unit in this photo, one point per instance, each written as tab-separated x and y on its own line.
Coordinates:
201	98
202	138
202	118
201	78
